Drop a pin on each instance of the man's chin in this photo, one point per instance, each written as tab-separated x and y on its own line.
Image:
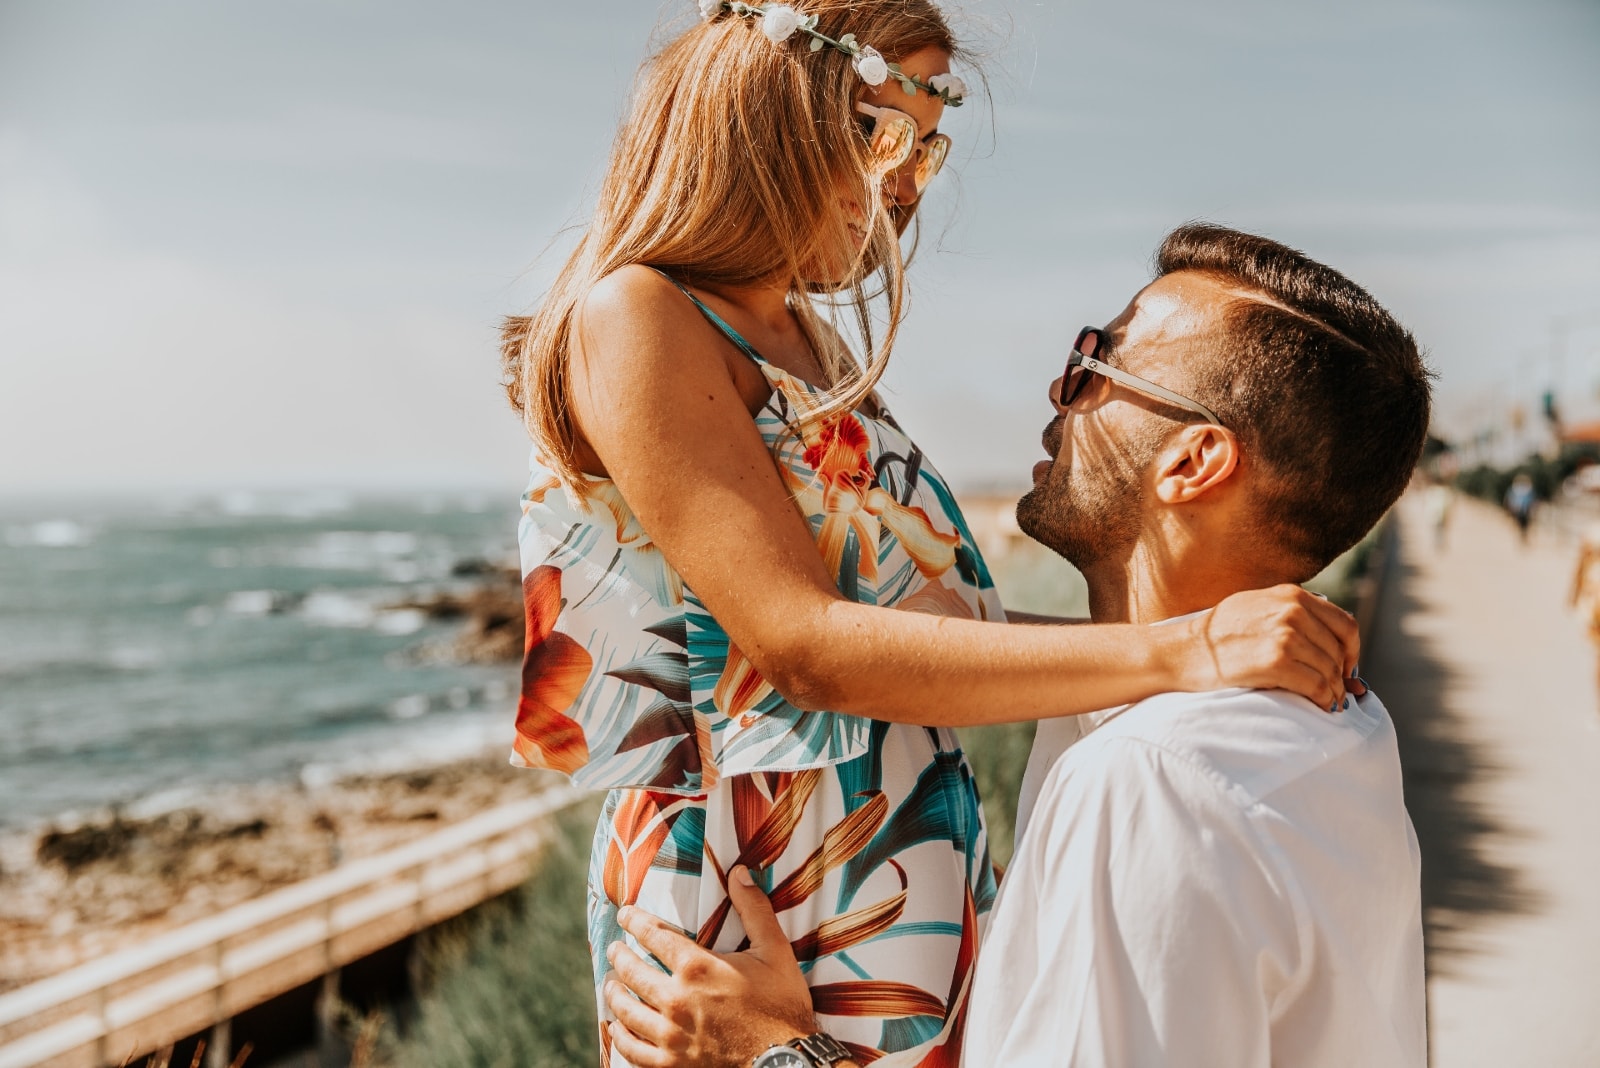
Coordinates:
1033	519
1030	513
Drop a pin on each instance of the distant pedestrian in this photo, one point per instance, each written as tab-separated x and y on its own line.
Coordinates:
1586	587
1519	502
1439	500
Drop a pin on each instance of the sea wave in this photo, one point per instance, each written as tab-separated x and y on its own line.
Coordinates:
50	534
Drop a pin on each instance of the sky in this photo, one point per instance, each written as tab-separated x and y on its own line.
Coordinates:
268	245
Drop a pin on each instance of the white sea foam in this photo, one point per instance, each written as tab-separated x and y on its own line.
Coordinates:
357	550
410	706
326	608
400	621
249	602
51	534
132	658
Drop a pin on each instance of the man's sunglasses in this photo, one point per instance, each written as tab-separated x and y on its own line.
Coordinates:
892	141
1083	364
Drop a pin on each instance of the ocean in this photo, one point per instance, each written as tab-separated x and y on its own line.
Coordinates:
149	650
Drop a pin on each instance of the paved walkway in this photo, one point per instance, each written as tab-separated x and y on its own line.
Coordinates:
1491	684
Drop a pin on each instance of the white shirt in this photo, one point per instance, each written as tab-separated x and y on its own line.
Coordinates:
1224	879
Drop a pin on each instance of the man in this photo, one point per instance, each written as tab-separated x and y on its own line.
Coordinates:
1226	878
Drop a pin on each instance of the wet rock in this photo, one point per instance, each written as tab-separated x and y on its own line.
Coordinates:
492	615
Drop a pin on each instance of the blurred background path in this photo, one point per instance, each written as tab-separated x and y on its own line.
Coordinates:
1490	680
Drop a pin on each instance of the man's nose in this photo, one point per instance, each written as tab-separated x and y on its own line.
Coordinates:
1055	390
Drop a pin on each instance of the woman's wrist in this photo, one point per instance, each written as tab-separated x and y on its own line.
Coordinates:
1182	656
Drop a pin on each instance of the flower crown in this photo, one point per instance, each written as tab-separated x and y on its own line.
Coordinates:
780	21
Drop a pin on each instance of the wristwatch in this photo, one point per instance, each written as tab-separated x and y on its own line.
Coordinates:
813	1051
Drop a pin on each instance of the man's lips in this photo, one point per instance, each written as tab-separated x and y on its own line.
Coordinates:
1051	439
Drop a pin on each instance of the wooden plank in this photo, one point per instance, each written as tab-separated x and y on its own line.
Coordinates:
71	1042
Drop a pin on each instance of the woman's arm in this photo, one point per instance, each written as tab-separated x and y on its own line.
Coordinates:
655	399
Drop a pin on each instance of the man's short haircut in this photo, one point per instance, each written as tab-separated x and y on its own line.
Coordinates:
1327	392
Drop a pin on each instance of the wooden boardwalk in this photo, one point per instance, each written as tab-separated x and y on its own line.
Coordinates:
1490	681
128	1004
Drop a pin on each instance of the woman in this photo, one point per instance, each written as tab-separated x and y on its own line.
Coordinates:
755	612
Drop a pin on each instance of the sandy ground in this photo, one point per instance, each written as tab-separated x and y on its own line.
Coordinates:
69	893
1490	681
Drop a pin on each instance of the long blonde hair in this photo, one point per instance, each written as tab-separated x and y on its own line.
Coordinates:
727	171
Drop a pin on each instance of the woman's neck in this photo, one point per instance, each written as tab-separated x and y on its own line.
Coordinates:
767	304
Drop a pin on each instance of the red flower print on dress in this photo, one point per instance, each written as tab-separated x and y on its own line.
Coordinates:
554	670
845	493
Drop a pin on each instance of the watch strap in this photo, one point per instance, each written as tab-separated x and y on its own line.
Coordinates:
821	1049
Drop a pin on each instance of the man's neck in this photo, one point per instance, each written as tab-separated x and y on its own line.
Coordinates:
1149	586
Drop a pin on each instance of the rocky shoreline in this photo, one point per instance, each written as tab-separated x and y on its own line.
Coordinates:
74	890
85	885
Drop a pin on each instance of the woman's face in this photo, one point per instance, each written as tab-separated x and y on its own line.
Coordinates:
898	188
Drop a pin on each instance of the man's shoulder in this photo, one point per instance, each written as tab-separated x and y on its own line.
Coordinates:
1247	743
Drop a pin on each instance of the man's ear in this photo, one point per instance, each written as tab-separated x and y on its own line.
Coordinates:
1198	459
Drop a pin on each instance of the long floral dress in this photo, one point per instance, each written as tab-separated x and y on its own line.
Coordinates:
867	835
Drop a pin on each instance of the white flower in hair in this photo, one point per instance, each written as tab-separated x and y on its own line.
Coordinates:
778	21
948	85
872	67
710	9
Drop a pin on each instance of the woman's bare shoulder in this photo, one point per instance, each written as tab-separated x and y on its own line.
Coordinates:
636	322
634	295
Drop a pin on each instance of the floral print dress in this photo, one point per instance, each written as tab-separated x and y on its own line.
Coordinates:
867	835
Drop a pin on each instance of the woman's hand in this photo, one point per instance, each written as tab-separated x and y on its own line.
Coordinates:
715	1008
1282	638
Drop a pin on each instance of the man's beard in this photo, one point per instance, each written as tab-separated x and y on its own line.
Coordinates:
1089	509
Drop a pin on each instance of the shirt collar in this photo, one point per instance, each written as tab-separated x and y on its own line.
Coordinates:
1094	720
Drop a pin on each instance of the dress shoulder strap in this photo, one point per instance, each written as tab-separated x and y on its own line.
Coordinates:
716	320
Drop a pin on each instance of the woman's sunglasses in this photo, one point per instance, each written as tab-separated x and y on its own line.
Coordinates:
1082	365
892	141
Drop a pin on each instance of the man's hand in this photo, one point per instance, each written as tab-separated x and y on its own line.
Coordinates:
715	1009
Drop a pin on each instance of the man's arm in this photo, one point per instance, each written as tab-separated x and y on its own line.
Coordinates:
1142	923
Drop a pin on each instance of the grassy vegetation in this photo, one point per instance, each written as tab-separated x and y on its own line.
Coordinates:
510	986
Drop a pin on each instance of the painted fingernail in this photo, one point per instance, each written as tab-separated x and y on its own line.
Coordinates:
742	876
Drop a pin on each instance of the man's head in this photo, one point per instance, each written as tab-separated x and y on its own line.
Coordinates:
1321	396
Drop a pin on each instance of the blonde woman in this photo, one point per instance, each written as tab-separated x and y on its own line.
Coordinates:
755	611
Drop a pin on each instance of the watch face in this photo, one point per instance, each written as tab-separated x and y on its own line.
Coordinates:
782	1057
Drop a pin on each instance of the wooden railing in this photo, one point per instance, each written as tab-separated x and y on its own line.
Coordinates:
140	1000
